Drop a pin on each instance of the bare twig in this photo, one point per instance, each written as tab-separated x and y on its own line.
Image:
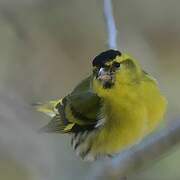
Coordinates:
147	151
110	24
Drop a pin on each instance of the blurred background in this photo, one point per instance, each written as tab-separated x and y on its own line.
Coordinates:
46	48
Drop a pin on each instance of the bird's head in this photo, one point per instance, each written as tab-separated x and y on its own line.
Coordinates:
112	67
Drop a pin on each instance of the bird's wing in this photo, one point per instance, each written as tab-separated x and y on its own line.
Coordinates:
84	85
78	111
84	102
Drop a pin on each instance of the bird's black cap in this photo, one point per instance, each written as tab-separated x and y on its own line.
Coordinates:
105	56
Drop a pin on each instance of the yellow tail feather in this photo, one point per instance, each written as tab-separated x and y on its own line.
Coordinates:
48	108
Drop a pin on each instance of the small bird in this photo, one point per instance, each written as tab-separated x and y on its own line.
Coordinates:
109	111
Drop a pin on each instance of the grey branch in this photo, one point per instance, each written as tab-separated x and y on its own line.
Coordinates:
110	24
147	152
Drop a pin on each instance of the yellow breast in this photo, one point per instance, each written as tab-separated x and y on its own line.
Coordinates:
131	112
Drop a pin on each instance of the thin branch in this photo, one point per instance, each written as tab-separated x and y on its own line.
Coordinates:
149	150
143	154
110	24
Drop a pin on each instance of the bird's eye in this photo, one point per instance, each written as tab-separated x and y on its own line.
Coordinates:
116	64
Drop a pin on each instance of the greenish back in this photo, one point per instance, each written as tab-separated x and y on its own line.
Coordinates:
84	102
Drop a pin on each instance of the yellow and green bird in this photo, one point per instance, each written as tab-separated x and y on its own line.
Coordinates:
109	111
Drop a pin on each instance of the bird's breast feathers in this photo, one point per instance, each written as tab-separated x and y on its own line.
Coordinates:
128	114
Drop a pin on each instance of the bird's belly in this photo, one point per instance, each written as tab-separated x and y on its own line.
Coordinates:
125	125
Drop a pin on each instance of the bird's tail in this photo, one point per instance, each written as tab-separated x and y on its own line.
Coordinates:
58	124
48	108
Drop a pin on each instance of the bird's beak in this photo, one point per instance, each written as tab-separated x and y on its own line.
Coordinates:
105	76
